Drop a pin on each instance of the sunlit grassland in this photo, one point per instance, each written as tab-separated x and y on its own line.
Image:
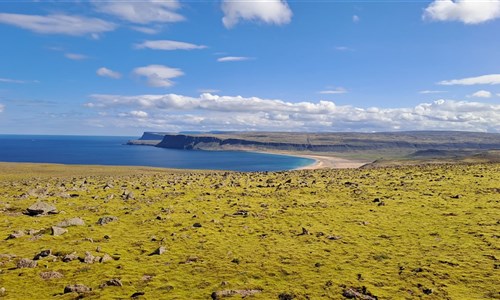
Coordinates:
429	232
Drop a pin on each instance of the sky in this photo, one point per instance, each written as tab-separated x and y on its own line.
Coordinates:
124	67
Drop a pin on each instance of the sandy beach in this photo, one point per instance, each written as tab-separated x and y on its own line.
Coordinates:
322	162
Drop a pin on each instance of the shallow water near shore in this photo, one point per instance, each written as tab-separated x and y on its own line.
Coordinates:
111	150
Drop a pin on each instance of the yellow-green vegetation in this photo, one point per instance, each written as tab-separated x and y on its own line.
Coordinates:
429	232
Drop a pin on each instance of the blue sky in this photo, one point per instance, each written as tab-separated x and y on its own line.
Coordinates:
120	68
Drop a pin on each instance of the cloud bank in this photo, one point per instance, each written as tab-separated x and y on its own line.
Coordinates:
266	11
466	11
232	58
485	79
158	75
168	45
2	107
58	24
105	72
141	12
213	112
482	94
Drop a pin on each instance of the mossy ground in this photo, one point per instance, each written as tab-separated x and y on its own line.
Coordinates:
429	232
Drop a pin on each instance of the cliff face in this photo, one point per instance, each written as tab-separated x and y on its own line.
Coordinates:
189	142
152	136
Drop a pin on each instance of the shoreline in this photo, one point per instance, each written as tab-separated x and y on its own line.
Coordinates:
320	161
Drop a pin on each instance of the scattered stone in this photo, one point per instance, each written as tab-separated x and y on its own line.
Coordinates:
229	293
358	293
77	288
26	263
285	296
69	257
112	282
382	203
304	231
137	294
106	219
51	275
159	251
71	222
16	234
147	277
56	231
243	213
2	291
197	225
456	196
41	208
88	259
42	254
334	237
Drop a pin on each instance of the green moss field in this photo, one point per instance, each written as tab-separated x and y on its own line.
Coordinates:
413	232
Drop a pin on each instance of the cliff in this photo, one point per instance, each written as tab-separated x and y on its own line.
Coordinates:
333	142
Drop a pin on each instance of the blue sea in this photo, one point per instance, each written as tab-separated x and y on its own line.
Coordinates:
112	150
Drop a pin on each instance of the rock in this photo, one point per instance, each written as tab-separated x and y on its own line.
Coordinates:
88	259
285	296
243	213
16	234
71	222
197	225
41	208
26	263
359	294
77	288
42	254
51	275
69	257
2	291
56	231
106	219
112	282
229	293
334	237
137	294
304	231
159	251
106	257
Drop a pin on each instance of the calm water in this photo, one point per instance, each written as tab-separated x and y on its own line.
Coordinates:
113	151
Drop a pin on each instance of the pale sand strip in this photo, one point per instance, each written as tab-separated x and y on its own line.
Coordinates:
323	162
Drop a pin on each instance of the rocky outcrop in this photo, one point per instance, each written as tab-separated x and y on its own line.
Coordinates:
340	142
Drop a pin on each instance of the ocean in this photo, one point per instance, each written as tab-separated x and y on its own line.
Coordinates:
112	150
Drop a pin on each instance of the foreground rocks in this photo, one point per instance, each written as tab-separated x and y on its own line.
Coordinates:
40	209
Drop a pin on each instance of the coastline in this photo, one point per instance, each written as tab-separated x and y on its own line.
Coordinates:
320	161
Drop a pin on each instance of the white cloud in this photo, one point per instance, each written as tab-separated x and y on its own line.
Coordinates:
9	80
485	79
75	56
139	114
168	45
58	24
213	112
339	90
466	11
343	48
158	75
146	30
266	11
211	91
233	58
2	108
355	19
105	72
431	92
481	94
142	12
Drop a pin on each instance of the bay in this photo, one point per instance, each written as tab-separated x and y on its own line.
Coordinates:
112	150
